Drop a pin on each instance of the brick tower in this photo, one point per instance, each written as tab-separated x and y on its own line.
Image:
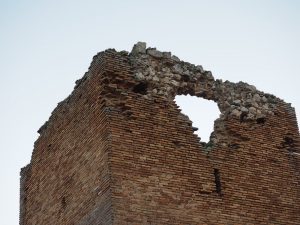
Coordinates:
119	151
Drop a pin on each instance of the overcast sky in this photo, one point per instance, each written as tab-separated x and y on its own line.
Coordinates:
46	45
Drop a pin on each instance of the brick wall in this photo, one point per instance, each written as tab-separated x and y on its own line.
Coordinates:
69	167
119	151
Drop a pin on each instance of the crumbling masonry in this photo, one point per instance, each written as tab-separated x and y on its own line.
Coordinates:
119	151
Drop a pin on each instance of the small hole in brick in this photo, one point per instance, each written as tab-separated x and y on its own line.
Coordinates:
63	202
176	143
185	78
260	120
243	117
234	146
288	141
128	114
128	130
218	181
141	88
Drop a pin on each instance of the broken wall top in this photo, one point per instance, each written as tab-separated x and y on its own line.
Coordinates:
156	75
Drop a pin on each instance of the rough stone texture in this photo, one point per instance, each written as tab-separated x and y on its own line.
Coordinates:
119	151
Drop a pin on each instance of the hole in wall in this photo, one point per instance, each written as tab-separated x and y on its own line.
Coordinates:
243	117
288	143
141	88
201	112
261	120
218	181
234	146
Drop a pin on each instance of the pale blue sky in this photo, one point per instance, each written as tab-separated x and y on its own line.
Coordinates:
46	45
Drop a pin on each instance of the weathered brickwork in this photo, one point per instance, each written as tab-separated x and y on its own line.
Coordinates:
119	151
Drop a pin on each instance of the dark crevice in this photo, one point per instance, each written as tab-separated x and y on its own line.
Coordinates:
128	130
218	181
186	78
141	88
129	115
243	117
207	146
205	192
124	107
261	120
63	203
177	143
234	146
288	143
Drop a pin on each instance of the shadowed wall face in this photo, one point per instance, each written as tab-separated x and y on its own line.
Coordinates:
119	151
69	174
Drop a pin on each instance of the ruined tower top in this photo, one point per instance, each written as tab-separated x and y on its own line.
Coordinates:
119	151
163	75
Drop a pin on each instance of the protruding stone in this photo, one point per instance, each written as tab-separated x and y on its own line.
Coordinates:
167	55
139	47
256	97
168	88
175	58
264	99
139	76
258	112
186	72
209	75
151	71
265	107
254	104
236	113
248	103
184	84
160	92
155	78
227	104
177	76
252	110
166	80
177	69
251	87
237	102
199	68
244	109
251	116
155	53
260	116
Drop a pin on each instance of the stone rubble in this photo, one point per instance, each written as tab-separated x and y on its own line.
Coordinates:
167	75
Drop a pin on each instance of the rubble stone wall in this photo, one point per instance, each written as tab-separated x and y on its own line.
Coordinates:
119	151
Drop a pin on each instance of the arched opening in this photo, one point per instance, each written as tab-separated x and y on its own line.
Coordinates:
201	112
